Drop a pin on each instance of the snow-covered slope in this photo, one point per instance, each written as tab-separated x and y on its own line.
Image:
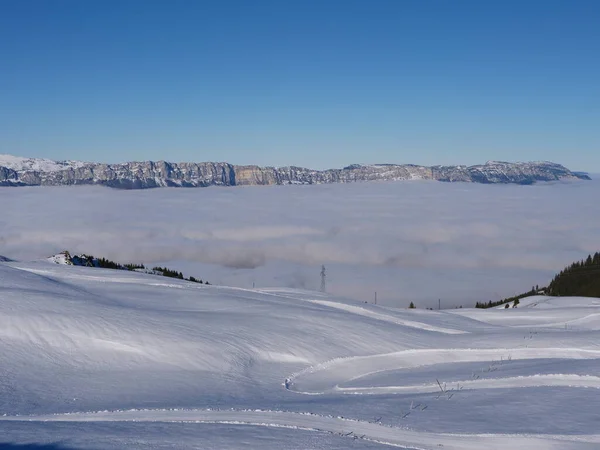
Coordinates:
97	358
582	313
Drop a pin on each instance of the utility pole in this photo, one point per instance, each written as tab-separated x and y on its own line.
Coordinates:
375	297
439	303
323	278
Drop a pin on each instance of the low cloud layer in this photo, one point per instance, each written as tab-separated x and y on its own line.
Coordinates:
406	240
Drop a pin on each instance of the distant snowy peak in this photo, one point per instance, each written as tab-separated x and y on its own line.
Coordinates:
20	164
17	171
508	163
63	258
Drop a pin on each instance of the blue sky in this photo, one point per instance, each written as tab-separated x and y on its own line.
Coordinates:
312	83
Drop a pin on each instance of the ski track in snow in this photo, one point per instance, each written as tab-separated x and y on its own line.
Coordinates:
361	311
326	377
549	380
355	429
387	318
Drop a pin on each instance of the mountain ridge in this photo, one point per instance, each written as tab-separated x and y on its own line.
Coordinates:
18	171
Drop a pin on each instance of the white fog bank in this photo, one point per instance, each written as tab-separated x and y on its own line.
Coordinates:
409	241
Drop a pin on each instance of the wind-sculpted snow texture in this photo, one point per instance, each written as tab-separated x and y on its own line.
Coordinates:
16	171
97	358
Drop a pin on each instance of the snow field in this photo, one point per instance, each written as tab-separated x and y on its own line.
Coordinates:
123	350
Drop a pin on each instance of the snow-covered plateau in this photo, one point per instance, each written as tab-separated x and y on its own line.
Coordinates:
96	358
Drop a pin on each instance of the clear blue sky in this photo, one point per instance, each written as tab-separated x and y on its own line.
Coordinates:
314	83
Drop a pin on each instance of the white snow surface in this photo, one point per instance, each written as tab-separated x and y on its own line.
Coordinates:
96	358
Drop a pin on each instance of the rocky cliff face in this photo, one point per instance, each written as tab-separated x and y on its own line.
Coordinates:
16	171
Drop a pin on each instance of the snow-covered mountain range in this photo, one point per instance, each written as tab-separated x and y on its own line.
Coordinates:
17	171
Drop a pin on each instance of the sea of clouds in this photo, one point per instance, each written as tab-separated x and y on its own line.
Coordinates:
408	241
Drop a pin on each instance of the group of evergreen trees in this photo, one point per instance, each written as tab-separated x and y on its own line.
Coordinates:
168	272
581	278
91	261
514	300
165	271
107	264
